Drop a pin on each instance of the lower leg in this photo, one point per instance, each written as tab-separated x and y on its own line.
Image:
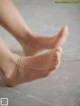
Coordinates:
16	70
11	19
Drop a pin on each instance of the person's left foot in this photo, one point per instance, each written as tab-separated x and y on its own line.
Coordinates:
39	43
31	68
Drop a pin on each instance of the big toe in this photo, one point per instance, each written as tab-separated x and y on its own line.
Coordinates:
57	55
58	51
64	31
62	35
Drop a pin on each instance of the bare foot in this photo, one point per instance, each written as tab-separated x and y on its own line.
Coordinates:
16	70
40	43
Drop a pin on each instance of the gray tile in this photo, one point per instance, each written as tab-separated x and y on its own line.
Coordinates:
63	87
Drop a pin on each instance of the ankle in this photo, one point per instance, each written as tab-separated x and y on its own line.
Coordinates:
9	65
28	40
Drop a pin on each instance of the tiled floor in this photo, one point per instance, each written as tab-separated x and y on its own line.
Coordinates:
63	87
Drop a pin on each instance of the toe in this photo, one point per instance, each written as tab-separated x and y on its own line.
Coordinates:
52	69
63	31
57	57
57	53
58	49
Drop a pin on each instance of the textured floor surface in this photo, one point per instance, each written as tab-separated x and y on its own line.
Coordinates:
63	87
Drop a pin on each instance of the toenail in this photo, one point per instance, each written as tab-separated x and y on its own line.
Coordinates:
59	49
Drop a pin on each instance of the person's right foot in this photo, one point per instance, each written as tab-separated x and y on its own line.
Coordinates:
38	43
25	69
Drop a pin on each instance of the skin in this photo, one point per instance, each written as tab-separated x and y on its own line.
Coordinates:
31	42
15	69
